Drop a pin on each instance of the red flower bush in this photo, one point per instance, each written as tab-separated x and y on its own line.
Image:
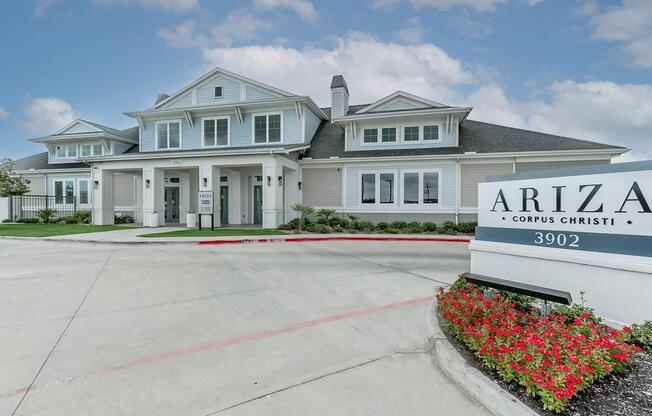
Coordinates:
552	359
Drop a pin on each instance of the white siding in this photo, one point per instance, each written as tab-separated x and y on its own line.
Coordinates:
123	190
531	166
322	187
473	174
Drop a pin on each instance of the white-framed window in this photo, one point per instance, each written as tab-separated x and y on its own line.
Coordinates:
378	188
216	131
60	152
85	150
388	135
431	132
421	187
83	191
218	91
64	191
370	135
68	151
168	135
267	128
98	150
411	133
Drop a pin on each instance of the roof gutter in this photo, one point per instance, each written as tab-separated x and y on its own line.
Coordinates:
63	138
169	155
429	111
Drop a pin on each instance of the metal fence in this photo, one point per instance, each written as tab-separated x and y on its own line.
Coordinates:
27	206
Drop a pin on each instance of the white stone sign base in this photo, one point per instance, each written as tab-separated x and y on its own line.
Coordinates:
618	287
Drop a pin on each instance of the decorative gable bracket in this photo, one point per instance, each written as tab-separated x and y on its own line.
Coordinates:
238	115
51	148
299	109
105	144
188	118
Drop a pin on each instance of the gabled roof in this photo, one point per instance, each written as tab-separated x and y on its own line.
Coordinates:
87	129
420	102
229	74
39	161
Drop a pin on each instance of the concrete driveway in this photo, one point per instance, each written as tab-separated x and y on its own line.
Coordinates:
336	328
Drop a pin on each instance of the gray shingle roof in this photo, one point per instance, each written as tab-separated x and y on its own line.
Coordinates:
339	82
126	133
475	136
39	161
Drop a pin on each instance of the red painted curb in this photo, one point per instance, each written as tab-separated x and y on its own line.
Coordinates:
317	239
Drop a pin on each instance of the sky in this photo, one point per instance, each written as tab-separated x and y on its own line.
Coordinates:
579	68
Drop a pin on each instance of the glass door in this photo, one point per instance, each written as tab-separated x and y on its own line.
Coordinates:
258	204
171	204
224	204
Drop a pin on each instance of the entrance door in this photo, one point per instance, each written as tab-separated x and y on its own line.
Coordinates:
224	204
258	204
171	204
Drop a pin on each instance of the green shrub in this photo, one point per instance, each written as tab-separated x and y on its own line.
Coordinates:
414	230
326	215
391	230
382	226
123	219
466	227
27	220
46	215
449	227
69	219
399	224
641	335
430	227
317	228
83	217
340	222
290	225
338	229
365	226
570	313
413	224
6	220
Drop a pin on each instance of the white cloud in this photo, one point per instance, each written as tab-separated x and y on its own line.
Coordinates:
177	6
629	23
372	68
182	36
3	113
303	8
386	5
46	115
477	5
42	6
412	33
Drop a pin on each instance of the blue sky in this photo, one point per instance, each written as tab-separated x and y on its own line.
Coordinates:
576	68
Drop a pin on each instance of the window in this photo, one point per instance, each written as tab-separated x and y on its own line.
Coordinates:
411	188
386	188
218	92
58	192
411	134
64	191
71	149
267	128
370	135
389	134
430	188
83	191
368	188
85	149
216	132
97	150
168	135
378	188
61	151
430	132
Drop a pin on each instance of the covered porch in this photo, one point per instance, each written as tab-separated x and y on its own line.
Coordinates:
252	191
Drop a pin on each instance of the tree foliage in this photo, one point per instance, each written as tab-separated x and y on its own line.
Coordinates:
11	184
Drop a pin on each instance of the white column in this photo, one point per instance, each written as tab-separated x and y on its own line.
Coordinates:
102	197
209	180
272	193
184	196
235	197
138	201
153	188
291	193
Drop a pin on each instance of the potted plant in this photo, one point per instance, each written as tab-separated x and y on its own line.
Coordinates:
191	219
152	219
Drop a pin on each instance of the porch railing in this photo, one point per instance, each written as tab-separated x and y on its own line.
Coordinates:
27	206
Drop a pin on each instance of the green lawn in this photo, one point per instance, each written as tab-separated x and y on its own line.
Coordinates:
218	232
48	230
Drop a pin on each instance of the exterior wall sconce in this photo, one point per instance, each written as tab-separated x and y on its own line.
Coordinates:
96	184
205	182
269	181
147	182
299	185
280	181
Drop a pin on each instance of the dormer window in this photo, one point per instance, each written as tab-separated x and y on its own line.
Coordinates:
218	92
61	151
66	152
431	132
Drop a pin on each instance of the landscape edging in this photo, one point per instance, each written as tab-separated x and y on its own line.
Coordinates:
470	380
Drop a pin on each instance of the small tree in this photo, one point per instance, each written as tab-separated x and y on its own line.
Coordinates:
304	210
46	215
9	184
326	214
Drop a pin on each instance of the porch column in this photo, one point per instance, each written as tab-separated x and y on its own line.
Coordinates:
209	180
235	197
291	193
272	194
102	197
153	187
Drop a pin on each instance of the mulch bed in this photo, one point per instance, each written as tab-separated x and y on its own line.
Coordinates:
628	395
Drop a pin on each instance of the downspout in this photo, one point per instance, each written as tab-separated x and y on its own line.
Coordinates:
458	189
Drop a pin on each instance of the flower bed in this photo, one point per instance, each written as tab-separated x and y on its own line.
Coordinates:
553	359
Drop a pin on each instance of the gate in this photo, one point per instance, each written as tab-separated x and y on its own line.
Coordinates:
27	206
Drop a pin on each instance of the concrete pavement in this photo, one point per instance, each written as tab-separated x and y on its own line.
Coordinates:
313	328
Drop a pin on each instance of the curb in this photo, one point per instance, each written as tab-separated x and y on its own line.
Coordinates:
321	239
468	379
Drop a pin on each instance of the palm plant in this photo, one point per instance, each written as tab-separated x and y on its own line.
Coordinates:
304	210
326	214
46	215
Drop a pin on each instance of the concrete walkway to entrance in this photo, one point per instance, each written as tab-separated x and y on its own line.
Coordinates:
334	328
